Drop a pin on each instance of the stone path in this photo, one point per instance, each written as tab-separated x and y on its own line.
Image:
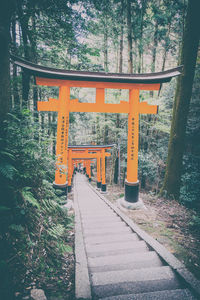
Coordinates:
113	262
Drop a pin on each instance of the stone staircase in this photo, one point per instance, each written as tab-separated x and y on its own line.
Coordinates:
120	264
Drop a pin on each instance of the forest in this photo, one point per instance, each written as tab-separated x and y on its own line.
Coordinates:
116	36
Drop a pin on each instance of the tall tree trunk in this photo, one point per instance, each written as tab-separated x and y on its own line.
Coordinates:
5	19
106	129
121	43
166	47
140	46
6	9
98	135
155	44
23	20
172	180
14	67
130	42
105	50
33	42
121	47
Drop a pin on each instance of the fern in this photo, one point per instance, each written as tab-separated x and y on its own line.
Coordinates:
7	170
64	248
7	155
17	228
28	196
56	231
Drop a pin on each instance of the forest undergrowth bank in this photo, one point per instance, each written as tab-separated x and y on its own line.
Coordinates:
37	232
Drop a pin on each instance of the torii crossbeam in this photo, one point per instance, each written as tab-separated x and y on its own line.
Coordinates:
65	79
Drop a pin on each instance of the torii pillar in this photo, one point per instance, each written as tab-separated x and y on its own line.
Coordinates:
103	171
62	138
88	169
99	171
70	170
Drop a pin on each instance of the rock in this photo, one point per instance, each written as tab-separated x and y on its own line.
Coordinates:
38	294
69	204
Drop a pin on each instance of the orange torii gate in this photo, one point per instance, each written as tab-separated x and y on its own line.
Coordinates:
65	79
74	162
100	156
101	174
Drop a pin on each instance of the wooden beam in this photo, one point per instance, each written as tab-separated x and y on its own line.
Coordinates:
101	85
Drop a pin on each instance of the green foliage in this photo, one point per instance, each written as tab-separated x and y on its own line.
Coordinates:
195	222
7	170
34	227
28	196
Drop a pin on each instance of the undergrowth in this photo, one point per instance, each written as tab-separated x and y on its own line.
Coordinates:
35	228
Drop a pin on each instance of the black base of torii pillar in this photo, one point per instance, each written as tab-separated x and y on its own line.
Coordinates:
131	199
62	187
103	188
99	184
131	191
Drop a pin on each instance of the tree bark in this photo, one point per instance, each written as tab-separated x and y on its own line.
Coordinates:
121	42
172	180
166	47
106	129
23	20
14	67
6	8
130	42
33	42
105	50
155	44
140	46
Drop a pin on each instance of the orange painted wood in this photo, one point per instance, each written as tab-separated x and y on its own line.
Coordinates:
87	155
99	107
70	167
103	167
145	108
133	135
99	168
51	105
101	85
62	136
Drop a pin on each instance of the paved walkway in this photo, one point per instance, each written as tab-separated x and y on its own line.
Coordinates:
117	263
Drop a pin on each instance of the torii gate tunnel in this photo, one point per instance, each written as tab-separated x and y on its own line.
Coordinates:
65	79
88	152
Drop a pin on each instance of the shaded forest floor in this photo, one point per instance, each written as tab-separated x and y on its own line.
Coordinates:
57	284
170	223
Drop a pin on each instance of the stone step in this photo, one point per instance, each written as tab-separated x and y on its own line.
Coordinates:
104	224
101	220
178	294
116	248
124	262
97	213
106	231
137	287
113	277
128	237
97	217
